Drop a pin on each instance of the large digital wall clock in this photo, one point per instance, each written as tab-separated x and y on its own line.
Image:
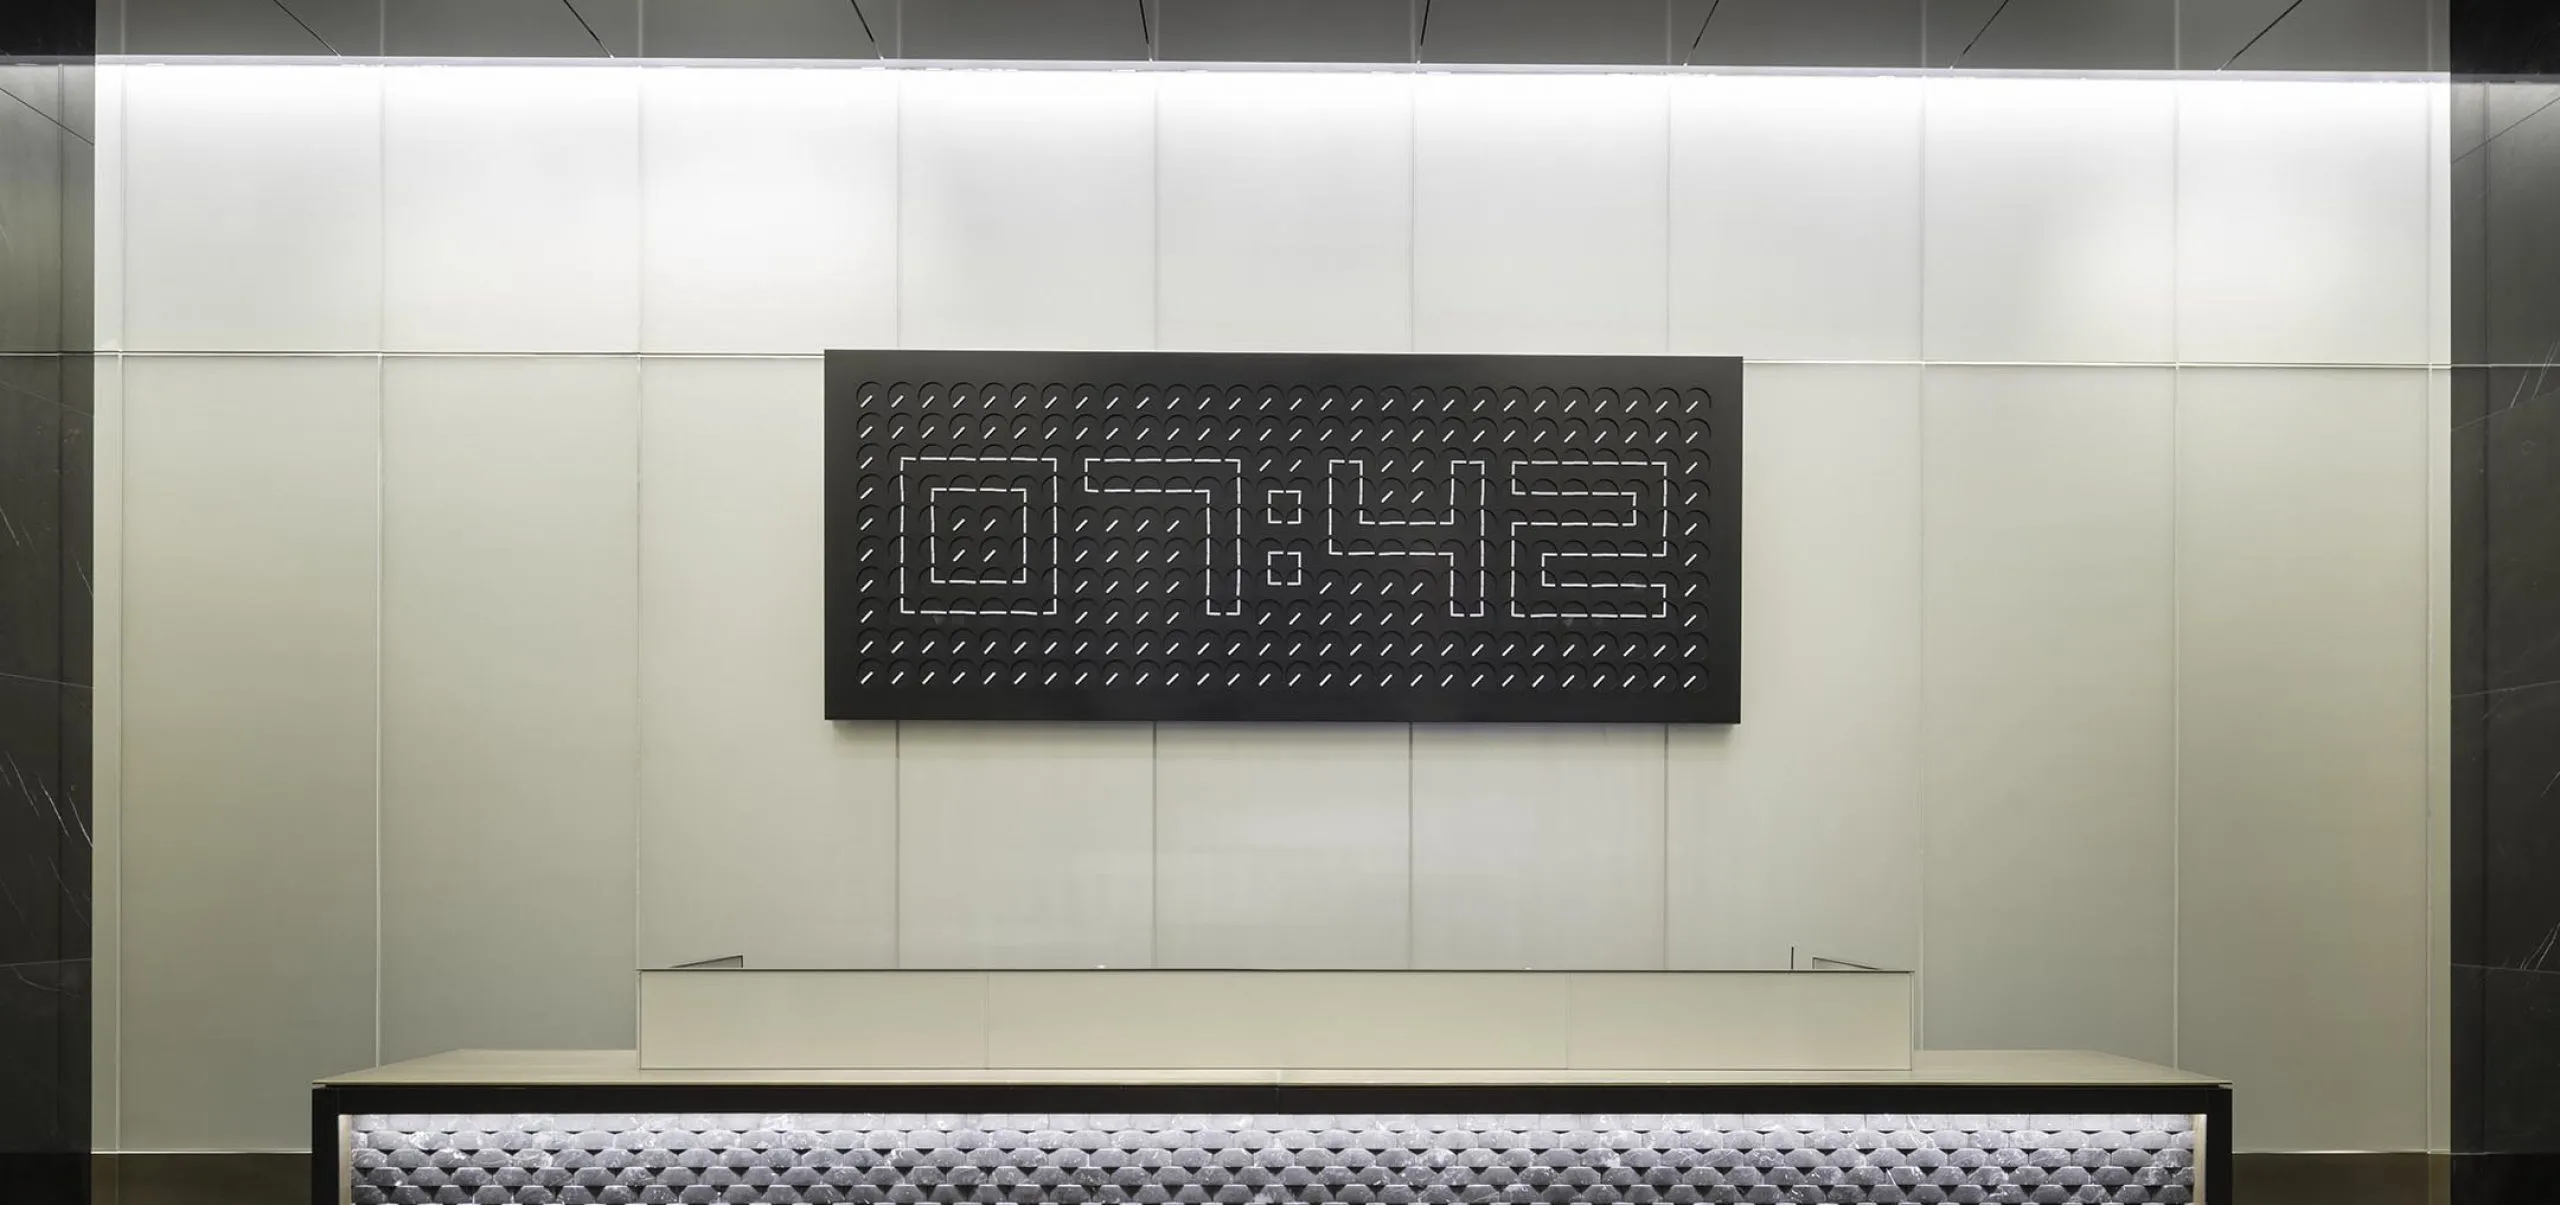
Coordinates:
1055	535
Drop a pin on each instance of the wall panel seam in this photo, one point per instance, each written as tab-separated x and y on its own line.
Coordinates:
639	657
2423	714
1920	558
2435	1067
1920	722
2177	733
1412	343
897	843
898	336
820	354
381	530
381	489
1155	339
124	415
115	1114
897	210
639	500
1670	229
1155	845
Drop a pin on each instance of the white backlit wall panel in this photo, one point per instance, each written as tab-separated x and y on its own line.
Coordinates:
1795	222
1540	207
2270	272
1026	210
511	210
732	687
1823	777
2048	658
768	210
1286	219
2049	220
508	742
273	177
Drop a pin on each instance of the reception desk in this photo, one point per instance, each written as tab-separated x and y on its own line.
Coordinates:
631	1127
1324	1020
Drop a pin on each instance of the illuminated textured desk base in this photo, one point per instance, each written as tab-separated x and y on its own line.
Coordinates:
591	1128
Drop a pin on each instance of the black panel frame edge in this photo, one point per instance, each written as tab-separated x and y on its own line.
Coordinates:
332	1103
1719	702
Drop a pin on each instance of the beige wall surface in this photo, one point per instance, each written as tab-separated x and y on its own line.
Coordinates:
248	690
463	650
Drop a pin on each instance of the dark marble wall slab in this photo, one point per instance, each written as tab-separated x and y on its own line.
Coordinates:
35	830
45	473
2505	621
44	1056
2520	1084
73	576
30	535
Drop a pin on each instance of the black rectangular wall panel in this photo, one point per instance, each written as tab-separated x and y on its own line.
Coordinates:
1057	535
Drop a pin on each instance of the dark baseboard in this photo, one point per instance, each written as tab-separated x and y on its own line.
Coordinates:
2514	1179
201	1179
44	1179
2385	1179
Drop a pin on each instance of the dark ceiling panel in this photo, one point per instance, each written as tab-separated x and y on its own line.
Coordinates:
2469	118
350	27
1001	30
37	84
49	28
616	22
2509	103
2491	36
1953	24
2209	34
2506	37
1797	33
512	28
2319	35
763	29
1286	31
2063	35
1597	32
256	27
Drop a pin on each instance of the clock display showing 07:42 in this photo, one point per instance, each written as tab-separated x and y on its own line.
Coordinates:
1016	535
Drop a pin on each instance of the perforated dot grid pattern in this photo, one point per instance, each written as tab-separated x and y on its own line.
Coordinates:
1100	1159
1021	535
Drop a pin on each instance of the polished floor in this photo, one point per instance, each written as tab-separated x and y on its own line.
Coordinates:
2259	1180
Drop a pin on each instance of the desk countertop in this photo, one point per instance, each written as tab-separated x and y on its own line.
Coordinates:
1930	1068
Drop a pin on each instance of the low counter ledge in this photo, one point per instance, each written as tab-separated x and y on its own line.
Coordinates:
596	1128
